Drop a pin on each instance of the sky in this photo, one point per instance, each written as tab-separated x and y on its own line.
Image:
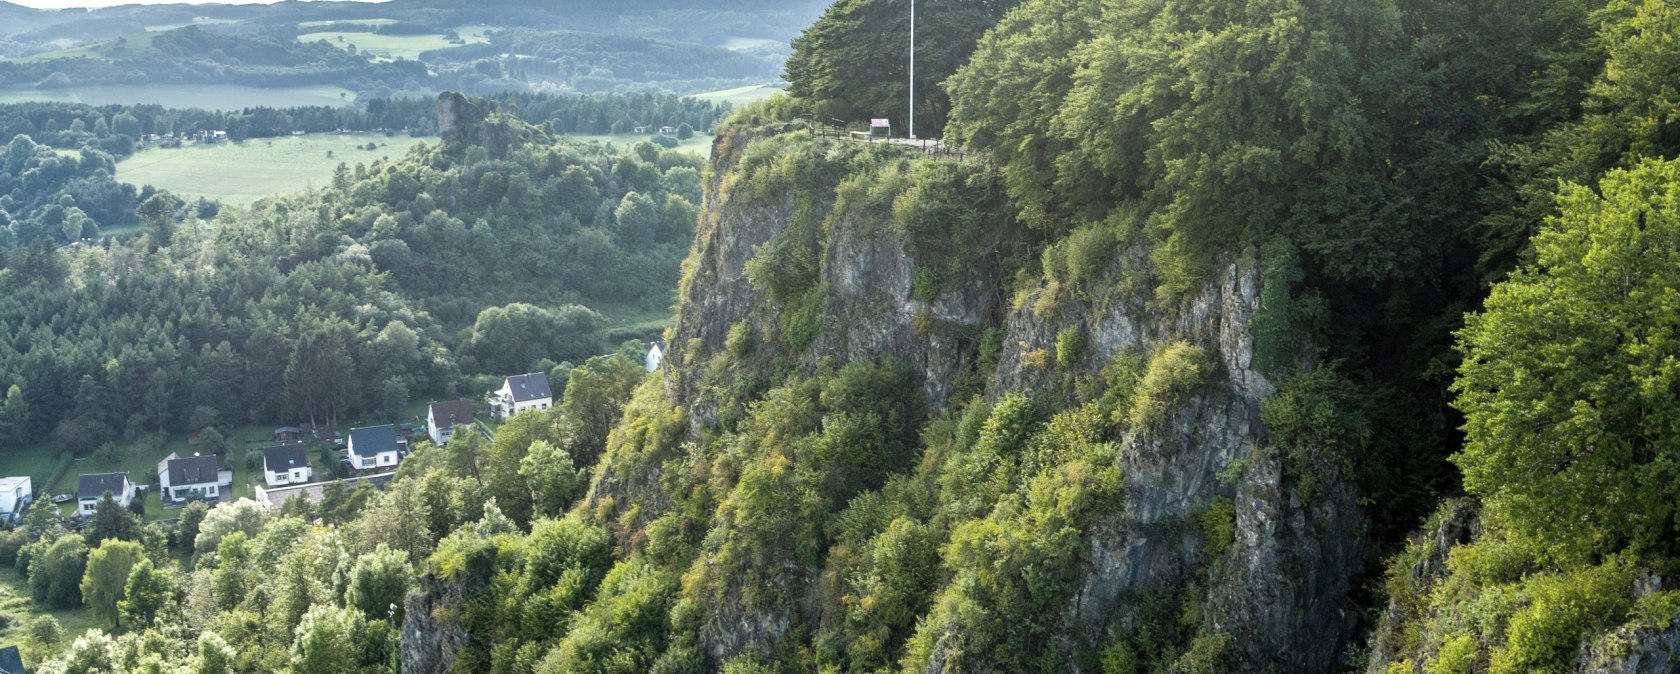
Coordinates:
63	4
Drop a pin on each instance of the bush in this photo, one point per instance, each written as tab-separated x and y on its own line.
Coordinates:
1544	635
1070	346
1175	370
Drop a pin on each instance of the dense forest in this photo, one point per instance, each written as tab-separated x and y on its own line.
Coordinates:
1255	336
430	275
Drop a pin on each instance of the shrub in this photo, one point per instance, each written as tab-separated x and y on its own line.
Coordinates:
1175	370
1544	635
1070	346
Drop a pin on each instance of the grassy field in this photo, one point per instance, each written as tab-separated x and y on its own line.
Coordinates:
243	172
744	43
347	22
389	46
741	95
700	145
16	605
208	96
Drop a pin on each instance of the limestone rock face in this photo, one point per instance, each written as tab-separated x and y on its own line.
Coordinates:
1280	590
430	639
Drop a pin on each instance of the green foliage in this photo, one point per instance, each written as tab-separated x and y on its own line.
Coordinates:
107	575
149	593
56	567
1545	635
850	65
1560	438
1174	371
1458	654
378	583
1219	527
1320	423
1070	346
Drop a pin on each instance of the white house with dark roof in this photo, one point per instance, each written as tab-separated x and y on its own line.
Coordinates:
91	488
522	392
376	447
442	418
285	465
15	495
192	478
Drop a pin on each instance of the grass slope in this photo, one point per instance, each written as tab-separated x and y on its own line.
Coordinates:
243	172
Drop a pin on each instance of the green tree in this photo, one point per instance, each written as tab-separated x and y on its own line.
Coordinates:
14	415
42	634
321	374
1566	384
186	528
111	521
106	579
157	214
552	478
851	63
328	640
149	592
379	581
55	571
215	656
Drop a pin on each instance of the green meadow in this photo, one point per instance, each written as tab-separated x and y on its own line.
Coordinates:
740	96
243	172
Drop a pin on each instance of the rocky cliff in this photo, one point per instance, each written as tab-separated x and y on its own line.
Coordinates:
1276	597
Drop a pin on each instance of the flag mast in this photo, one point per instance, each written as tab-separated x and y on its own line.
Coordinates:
912	69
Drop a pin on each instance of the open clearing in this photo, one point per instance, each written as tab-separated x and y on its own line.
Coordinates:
747	43
740	96
243	172
346	22
208	96
390	46
700	145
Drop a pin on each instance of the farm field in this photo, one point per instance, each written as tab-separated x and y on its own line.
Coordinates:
243	172
390	46
208	96
740	96
746	43
345	22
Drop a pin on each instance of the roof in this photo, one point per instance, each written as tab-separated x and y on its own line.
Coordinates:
285	457
528	387
287	429
448	414
277	497
10	661
372	440
10	483
91	487
193	470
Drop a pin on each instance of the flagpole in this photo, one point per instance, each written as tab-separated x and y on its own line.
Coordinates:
912	69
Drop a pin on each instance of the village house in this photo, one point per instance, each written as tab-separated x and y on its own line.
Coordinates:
522	392
274	498
655	356
286	464
288	434
667	131
15	495
91	488
192	478
442	418
376	447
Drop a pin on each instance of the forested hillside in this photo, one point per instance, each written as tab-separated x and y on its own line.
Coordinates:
401	280
1240	336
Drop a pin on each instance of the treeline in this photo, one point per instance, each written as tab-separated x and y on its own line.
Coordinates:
432	275
115	128
192	55
590	62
